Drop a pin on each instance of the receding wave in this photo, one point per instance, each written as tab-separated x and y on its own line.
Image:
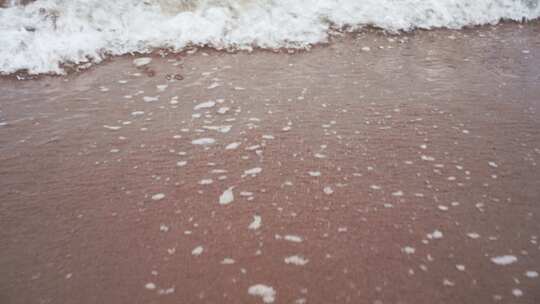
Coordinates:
40	36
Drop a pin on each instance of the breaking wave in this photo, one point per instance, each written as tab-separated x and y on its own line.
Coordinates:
42	35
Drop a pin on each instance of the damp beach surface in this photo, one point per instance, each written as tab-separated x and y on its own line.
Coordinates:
375	169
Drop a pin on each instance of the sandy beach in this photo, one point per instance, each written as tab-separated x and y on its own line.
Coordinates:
375	169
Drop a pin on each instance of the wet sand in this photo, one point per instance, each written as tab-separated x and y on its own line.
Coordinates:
406	173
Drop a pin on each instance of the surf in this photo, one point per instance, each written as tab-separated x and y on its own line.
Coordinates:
40	37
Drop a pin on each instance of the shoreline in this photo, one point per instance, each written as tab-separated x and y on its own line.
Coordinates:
337	36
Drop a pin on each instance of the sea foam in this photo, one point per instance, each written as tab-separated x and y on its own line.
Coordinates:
45	35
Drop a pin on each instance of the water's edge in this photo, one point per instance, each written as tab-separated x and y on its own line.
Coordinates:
52	36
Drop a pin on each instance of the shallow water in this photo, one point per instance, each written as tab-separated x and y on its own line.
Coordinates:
406	173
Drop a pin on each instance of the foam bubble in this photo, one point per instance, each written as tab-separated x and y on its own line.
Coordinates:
226	197
267	293
504	260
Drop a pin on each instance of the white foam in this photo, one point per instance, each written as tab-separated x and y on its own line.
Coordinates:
427	158
267	293
223	110
150	286
397	193
220	129
227	197
531	274
252	171
447	282
232	146
162	87
473	235
443	207
328	190
139	62
293	238
227	261
112	128
319	155
203	141
158	196
256	224
408	250
205	105
150	98
197	251
206	181
166	291
39	37
435	235
504	260
296	260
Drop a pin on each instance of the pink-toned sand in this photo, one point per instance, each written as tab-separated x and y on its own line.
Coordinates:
403	170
